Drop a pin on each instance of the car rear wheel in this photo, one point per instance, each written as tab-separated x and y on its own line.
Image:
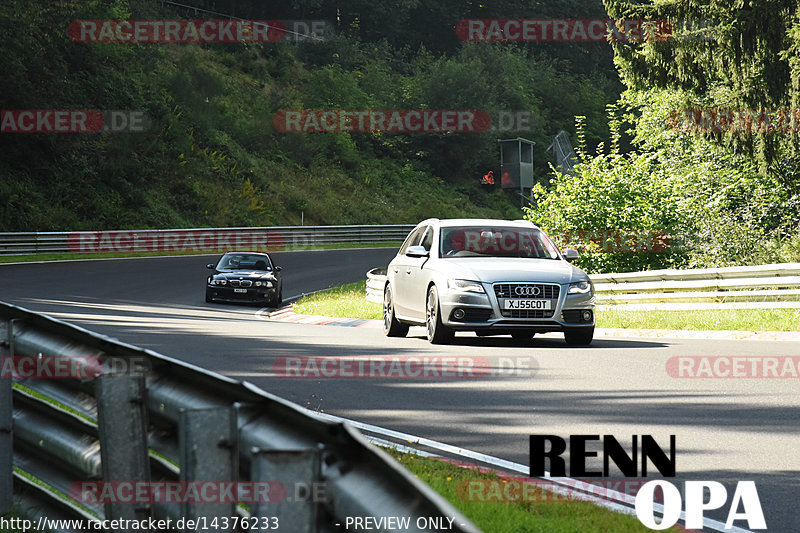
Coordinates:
438	333
579	336
391	326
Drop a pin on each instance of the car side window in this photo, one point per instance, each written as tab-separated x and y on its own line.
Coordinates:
427	239
411	240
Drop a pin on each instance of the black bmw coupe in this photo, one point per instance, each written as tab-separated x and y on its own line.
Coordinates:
245	277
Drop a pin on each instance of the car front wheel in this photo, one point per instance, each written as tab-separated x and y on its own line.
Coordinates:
438	333
579	336
391	326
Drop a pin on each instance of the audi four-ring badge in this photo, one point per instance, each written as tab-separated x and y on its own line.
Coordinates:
493	277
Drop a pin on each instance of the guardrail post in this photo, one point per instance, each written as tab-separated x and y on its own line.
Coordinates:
6	422
299	473
209	451
122	426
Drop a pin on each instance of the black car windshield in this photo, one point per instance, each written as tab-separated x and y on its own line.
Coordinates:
244	262
475	241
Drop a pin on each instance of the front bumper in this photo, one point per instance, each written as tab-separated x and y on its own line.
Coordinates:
483	311
230	294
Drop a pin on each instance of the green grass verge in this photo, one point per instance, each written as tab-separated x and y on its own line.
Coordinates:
538	513
347	301
716	319
116	255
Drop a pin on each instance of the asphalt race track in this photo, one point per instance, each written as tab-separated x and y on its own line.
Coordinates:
726	429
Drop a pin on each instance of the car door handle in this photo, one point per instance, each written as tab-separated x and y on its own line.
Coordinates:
395	270
408	270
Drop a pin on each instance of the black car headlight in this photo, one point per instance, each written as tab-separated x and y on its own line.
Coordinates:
581	287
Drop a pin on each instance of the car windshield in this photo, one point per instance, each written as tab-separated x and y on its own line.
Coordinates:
244	262
476	241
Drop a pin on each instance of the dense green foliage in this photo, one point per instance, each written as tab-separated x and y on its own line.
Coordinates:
724	197
717	208
211	156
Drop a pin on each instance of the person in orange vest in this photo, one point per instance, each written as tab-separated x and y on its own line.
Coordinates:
488	178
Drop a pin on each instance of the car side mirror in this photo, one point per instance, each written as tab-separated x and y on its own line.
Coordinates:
417	251
571	254
210	266
278	269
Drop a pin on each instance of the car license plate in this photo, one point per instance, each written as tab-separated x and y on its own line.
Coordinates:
527	304
243	291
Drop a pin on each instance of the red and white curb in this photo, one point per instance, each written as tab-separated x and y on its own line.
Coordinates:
287	314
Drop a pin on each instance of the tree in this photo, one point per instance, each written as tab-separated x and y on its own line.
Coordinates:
728	55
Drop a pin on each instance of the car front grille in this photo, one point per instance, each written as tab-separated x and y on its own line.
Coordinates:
241	283
542	291
536	291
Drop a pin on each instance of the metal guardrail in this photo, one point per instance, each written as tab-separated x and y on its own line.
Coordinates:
145	417
203	239
376	281
761	287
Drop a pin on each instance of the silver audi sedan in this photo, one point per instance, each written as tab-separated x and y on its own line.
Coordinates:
493	277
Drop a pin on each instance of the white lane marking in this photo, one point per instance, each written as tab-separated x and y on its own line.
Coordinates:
616	496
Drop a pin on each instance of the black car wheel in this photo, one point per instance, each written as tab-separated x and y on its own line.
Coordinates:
579	336
272	301
438	333
391	326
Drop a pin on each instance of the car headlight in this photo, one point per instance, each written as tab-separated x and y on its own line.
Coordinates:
581	287
464	285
